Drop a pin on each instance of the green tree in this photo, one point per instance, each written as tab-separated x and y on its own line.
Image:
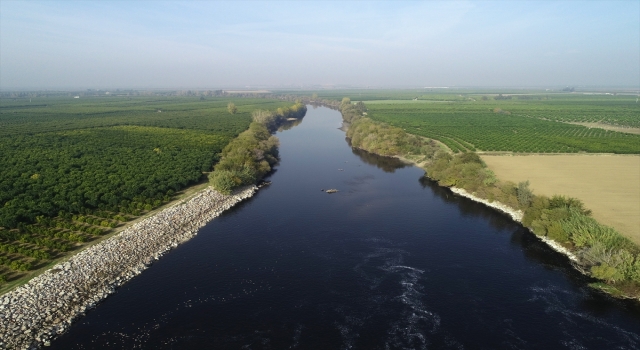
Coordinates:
231	107
524	194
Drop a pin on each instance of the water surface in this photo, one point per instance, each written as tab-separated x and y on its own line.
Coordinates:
392	261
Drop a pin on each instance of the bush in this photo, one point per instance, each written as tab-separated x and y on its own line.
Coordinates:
224	181
606	273
586	232
556	232
524	194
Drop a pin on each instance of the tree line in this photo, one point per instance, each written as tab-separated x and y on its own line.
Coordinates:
250	156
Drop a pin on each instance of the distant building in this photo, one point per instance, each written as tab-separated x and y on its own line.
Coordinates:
76	96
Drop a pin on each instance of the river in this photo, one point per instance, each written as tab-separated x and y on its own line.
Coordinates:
391	261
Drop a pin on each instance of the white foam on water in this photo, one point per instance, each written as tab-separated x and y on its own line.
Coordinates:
411	323
555	302
407	267
411	329
296	336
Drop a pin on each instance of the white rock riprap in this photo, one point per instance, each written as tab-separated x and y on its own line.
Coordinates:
516	215
33	314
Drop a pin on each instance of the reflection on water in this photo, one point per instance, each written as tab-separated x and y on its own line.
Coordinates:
496	219
386	164
533	248
288	124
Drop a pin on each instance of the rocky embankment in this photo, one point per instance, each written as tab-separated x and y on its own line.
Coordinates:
33	314
516	215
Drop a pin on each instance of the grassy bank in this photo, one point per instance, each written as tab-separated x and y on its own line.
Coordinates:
602	253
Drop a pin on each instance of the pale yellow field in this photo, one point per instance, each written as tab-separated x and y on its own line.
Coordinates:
609	185
627	130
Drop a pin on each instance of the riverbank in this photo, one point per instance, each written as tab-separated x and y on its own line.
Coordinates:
563	223
33	314
516	215
606	183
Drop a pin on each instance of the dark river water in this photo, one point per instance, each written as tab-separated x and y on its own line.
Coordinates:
391	261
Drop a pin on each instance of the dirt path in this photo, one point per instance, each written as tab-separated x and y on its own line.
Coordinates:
627	130
609	185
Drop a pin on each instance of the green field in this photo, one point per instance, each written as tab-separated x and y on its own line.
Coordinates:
72	169
535	123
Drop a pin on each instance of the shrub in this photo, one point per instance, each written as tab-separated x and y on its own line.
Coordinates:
556	232
586	232
525	195
224	181
534	211
607	273
231	107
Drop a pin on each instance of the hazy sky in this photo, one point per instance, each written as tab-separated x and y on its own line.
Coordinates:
210	44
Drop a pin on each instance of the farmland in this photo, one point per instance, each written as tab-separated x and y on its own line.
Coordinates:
73	169
526	123
538	126
607	184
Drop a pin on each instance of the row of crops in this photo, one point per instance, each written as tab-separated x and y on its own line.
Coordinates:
618	109
72	169
621	110
19	116
32	246
473	126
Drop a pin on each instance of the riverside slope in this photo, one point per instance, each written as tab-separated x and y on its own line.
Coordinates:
516	215
33	314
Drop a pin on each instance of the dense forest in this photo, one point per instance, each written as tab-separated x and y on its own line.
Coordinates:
72	169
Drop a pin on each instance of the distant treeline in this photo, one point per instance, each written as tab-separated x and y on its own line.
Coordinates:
603	252
110	93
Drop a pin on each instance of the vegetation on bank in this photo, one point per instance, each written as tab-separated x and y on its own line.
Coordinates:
73	169
387	140
603	253
250	156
